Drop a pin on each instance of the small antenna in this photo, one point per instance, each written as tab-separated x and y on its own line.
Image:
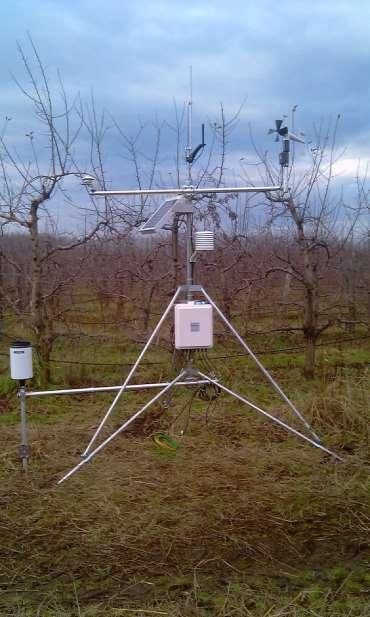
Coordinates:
190	154
188	148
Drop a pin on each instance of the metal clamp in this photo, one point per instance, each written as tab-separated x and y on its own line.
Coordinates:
24	451
187	288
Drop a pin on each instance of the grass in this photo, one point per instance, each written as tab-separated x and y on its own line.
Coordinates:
243	520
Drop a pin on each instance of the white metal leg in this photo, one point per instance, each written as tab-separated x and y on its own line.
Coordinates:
132	371
268	415
121	428
136	386
261	367
189	379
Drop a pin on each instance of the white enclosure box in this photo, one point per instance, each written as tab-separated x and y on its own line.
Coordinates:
21	360
193	325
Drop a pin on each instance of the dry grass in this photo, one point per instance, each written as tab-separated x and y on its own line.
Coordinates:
243	520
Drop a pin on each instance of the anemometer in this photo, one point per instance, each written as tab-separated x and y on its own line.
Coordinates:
192	308
286	138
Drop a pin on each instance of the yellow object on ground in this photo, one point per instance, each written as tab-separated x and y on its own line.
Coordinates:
165	442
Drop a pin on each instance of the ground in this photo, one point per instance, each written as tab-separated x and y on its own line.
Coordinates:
242	519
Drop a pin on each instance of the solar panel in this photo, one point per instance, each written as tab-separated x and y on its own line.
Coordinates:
159	217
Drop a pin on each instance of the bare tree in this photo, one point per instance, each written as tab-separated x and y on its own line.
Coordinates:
306	220
33	187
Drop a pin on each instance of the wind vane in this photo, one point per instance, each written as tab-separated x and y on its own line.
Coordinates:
286	136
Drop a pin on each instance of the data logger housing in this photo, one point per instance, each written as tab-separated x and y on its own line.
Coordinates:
193	325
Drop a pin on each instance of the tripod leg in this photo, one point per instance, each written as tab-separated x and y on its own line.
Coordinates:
261	367
132	371
265	413
122	427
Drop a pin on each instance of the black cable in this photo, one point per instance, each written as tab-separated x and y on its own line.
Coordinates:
187	406
224	357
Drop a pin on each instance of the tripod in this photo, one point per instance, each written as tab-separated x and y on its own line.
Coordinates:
191	375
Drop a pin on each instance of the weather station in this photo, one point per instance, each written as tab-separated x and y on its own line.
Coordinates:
192	308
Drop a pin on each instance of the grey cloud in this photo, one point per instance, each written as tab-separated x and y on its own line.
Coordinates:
136	58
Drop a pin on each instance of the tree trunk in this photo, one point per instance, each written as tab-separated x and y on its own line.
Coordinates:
352	317
310	357
44	352
37	318
310	321
148	307
310	333
1	292
226	296
285	297
120	312
368	286
245	312
350	326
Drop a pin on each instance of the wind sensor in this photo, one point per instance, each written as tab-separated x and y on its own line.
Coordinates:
192	155
286	137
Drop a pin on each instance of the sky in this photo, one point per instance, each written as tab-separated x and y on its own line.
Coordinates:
135	57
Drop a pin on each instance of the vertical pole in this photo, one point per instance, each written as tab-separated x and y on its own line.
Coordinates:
189	252
190	121
175	252
24	449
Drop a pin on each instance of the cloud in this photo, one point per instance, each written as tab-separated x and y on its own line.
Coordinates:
350	167
136	58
